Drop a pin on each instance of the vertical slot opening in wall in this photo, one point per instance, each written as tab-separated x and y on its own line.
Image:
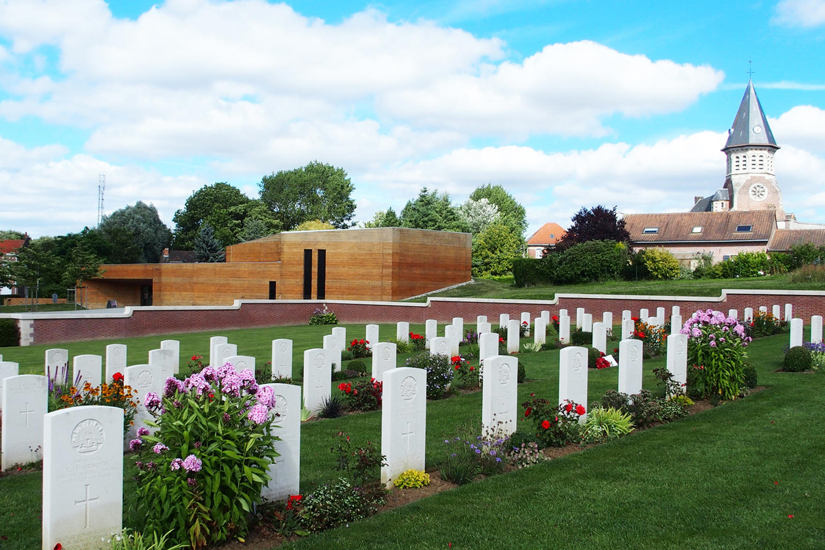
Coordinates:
307	273
321	291
273	290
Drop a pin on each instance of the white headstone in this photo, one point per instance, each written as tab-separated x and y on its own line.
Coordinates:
242	362
677	357
539	331
644	315
480	319
748	314
383	359
333	351
573	376
82	477
564	329
440	346
90	368
660	314
734	313
403	422
286	471
503	319
56	358
372	336
675	310
788	312
174	346
562	312
458	323
607	319
142	379
500	396
340	334
546	317
488	345
222	351
628	328
587	322
525	318
816	329
675	324
7	370
484	327
26	402
163	358
214	341
630	366
430	331
513	336
763	309
797	327
317	379
579	317
115	360
282	358
600	337
452	335
402	331
626	314
777	311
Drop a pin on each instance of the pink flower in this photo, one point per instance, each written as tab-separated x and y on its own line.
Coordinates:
258	414
192	464
159	448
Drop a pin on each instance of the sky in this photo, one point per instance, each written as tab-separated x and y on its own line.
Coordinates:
564	103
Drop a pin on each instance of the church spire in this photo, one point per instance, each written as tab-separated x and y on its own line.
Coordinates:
750	127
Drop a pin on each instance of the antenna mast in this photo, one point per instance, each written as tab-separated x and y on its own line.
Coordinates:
101	188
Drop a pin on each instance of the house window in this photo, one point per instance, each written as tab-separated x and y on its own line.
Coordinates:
552	236
697	229
725	258
649	230
744	228
538	253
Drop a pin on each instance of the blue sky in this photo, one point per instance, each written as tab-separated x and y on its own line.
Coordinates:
564	103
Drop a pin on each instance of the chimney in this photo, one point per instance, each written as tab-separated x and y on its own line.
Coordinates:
166	253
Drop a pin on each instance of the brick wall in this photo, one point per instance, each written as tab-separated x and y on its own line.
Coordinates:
66	327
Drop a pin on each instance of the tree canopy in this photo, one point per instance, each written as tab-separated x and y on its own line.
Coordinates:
494	250
208	247
478	214
432	210
148	231
596	224
314	192
512	213
383	218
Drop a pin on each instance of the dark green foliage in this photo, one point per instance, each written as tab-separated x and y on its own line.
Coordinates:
750	374
323	317
207	247
510	211
532	272
383	218
590	262
592	356
581	338
520	437
522	373
332	407
432	210
615	400
316	191
9	333
805	254
339	375
797	359
671	410
358	366
333	505
494	250
142	221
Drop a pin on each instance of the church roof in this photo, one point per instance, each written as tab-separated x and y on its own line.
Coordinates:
784	239
686	227
706	204
750	127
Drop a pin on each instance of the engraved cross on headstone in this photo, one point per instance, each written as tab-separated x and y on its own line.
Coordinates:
502	415
86	503
408	434
279	461
27	412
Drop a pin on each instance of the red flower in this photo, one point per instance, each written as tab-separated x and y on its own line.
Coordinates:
500	340
58	546
472	369
615	350
362	342
455	359
568	407
196	357
457	366
528	411
580	410
117	377
546	424
293	499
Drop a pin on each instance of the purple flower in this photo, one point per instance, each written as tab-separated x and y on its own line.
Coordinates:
197	444
226	418
135	444
712	344
176	464
192	464
722	340
266	397
150	465
159	448
172	385
151	401
258	414
198	382
697	333
191	482
209	374
142	431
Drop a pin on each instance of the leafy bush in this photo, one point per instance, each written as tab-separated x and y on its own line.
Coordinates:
704	263
671	410
362	395
358	348
590	262
532	272
661	264
763	324
522	373
593	356
439	372
603	424
809	274
137	541
554	425
358	366
9	333
332	407
115	394
525	455
716	344
817	354
520	437
494	250
653	337
339	375
362	464
797	359
467	455
212	450
464	374
749	373
336	504
323	316
682	399
412	479
418	342
581	338
805	254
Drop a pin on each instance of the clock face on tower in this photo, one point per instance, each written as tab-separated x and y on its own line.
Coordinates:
758	192
757	129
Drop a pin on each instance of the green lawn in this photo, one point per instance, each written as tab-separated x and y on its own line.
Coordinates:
706	481
483	288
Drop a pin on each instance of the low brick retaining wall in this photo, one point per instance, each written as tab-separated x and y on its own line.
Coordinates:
53	328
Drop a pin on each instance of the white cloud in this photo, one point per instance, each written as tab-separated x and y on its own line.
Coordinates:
800	13
802	127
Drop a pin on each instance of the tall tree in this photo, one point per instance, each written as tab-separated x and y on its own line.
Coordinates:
221	205
432	210
595	224
478	214
383	218
10	234
143	221
512	213
207	246
314	192
494	250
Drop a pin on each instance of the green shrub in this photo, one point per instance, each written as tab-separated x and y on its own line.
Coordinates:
358	366
362	395
332	407
809	274
323	317
593	355
603	424
554	425
522	374
439	372
533	272
704	262
412	479
661	264
805	254
797	359
763	324
614	399
581	338
750	374
339	375
333	505
671	409
520	437
591	262
716	351
9	333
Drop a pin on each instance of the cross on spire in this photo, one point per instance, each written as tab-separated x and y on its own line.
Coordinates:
750	69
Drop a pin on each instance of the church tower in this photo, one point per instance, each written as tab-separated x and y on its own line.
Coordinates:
750	179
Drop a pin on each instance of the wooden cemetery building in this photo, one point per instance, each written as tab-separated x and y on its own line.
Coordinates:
354	264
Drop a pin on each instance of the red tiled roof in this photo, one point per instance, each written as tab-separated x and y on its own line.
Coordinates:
10	246
784	239
710	226
549	233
